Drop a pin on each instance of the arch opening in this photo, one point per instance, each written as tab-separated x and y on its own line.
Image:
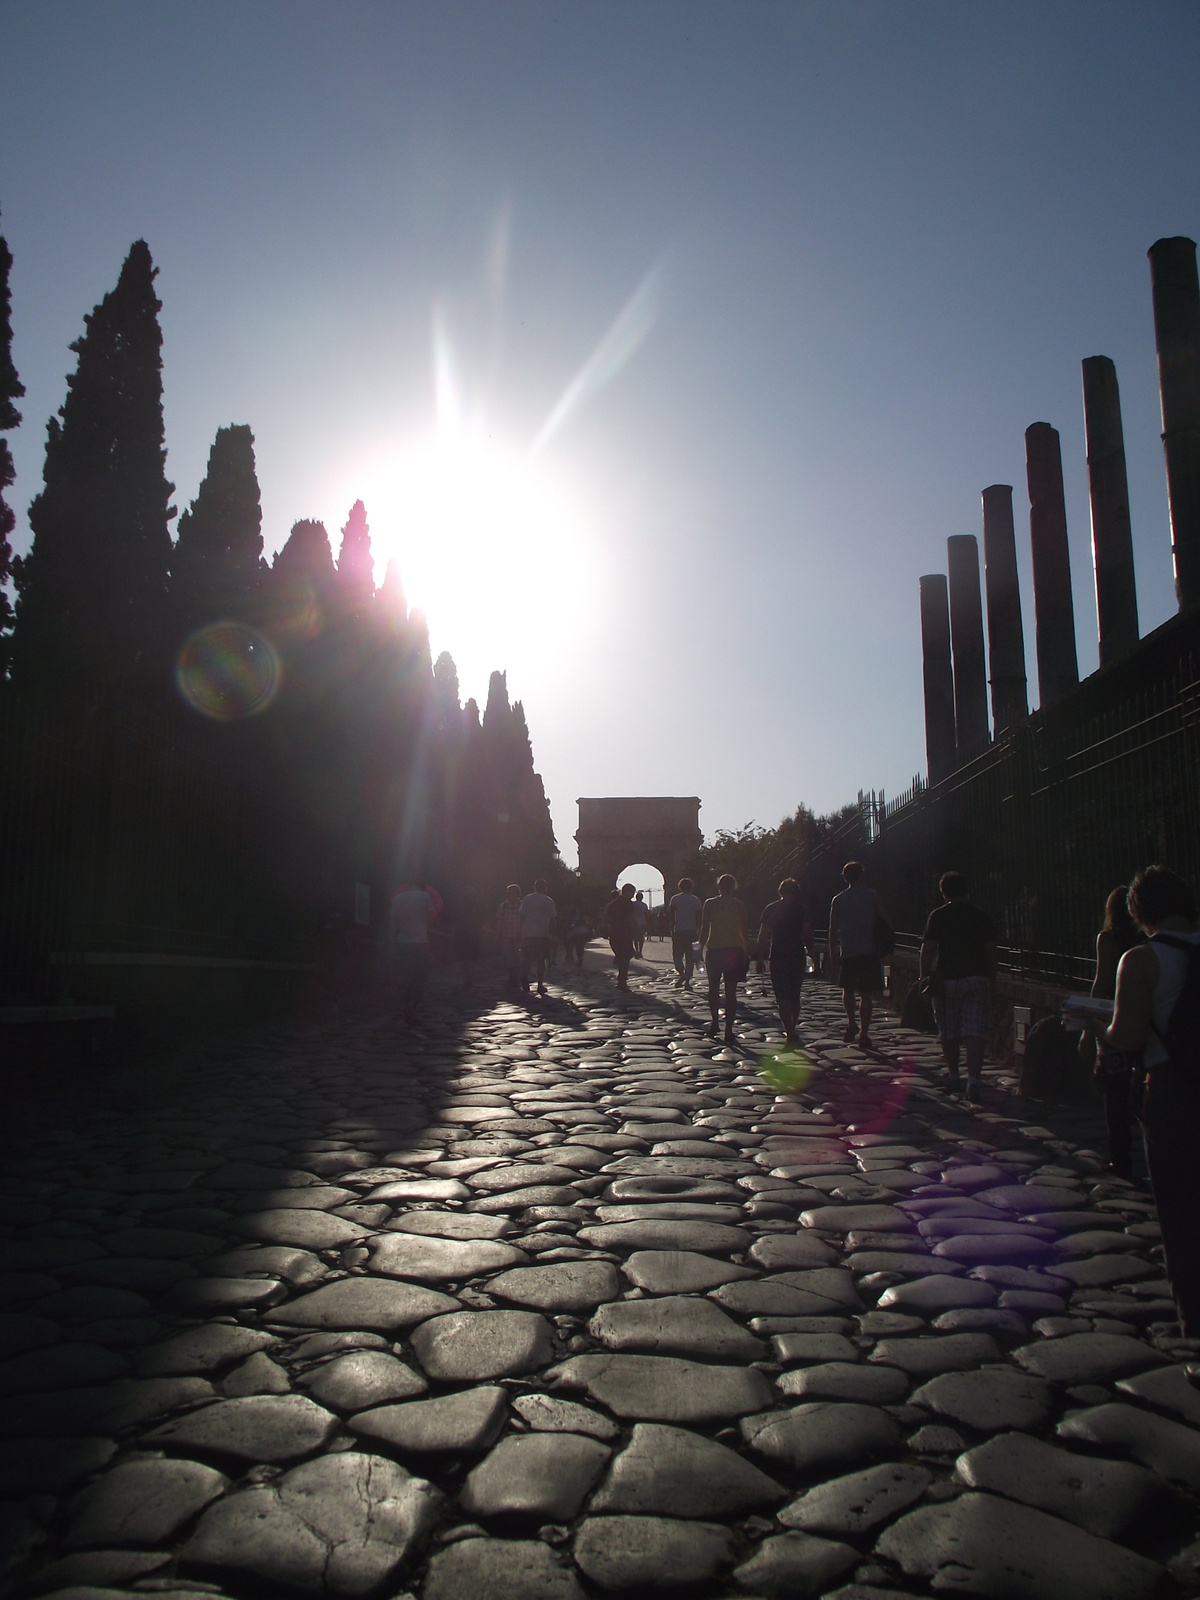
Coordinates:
645	877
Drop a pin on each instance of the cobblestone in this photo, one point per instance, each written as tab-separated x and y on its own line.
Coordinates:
562	1300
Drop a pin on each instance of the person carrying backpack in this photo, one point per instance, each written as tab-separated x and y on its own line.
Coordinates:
1157	1011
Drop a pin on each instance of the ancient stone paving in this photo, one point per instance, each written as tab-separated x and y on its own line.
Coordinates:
567	1301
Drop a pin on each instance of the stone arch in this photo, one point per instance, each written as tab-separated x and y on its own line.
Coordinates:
616	832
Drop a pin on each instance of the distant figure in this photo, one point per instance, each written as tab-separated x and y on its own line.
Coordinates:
786	934
852	946
410	919
622	932
576	936
1120	1072
726	941
1157	1011
958	955
468	937
684	912
538	913
642	912
508	931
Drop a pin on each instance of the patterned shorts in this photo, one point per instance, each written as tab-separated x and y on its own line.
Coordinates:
961	1009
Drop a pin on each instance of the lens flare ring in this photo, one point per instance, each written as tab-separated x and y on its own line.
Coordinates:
228	672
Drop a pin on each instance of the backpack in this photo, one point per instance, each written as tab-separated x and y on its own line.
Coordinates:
1050	1067
1181	1040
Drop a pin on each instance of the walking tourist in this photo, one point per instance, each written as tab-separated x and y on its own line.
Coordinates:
1119	1072
411	917
576	937
785	934
685	912
622	931
468	937
852	947
726	942
538	914
508	930
1157	1011
642	912
958	956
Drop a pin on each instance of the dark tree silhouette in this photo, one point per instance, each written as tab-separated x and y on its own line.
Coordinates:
92	591
356	567
217	566
11	389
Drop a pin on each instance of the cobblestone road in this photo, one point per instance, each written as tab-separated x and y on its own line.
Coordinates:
565	1301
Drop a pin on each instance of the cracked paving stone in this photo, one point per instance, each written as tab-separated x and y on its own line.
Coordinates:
1166	1447
141	1502
563	1287
857	1503
372	1304
296	1267
759	1298
672	1472
679	1271
664	1388
342	1525
467	1421
1088	1358
409	1255
1102	1497
546	1414
46	1466
659	1552
1166	1389
823	1435
255	1428
783	1252
451	1224
838	1380
501	1569
473	1345
706	1238
201	1350
676	1325
60	1366
937	1294
978	1544
362	1379
309	1230
542	1476
988	1401
947	1352
795	1564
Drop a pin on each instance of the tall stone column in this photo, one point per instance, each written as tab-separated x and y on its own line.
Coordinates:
1177	334
938	677
1054	608
1112	536
1006	631
966	637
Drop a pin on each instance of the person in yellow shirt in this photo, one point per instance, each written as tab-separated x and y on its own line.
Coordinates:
725	939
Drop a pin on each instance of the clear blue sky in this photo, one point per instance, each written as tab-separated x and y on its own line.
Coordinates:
874	242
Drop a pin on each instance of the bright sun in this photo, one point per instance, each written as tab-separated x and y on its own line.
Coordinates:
484	536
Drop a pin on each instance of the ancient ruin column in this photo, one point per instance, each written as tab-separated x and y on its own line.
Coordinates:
1177	334
1006	632
938	676
966	636
1054	608
1112	537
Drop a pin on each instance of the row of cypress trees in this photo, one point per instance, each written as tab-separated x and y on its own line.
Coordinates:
367	736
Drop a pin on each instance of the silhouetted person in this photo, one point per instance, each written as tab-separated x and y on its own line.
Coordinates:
538	914
852	947
410	919
508	931
622	931
1155	981
685	911
786	934
576	937
958	955
468	937
1119	1071
726	941
642	912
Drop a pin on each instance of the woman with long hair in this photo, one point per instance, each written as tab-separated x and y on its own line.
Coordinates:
1118	1071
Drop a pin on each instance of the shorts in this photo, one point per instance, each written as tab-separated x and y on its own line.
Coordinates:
961	1010
535	949
787	977
725	961
861	974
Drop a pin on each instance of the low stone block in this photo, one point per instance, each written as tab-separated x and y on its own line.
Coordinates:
1104	1497
622	1552
141	1502
538	1476
452	1424
855	1504
823	1436
676	1473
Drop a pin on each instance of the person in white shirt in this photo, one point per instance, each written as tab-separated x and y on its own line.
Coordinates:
412	912
538	914
684	911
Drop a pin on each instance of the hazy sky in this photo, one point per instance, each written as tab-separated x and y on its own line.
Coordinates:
666	342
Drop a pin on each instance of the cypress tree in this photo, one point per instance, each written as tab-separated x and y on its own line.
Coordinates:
92	590
217	566
356	568
11	389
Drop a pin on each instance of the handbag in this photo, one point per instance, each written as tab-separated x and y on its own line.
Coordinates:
885	936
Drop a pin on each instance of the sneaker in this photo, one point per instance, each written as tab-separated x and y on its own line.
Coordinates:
541	989
848	1036
974	1093
864	1042
711	1032
729	1036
